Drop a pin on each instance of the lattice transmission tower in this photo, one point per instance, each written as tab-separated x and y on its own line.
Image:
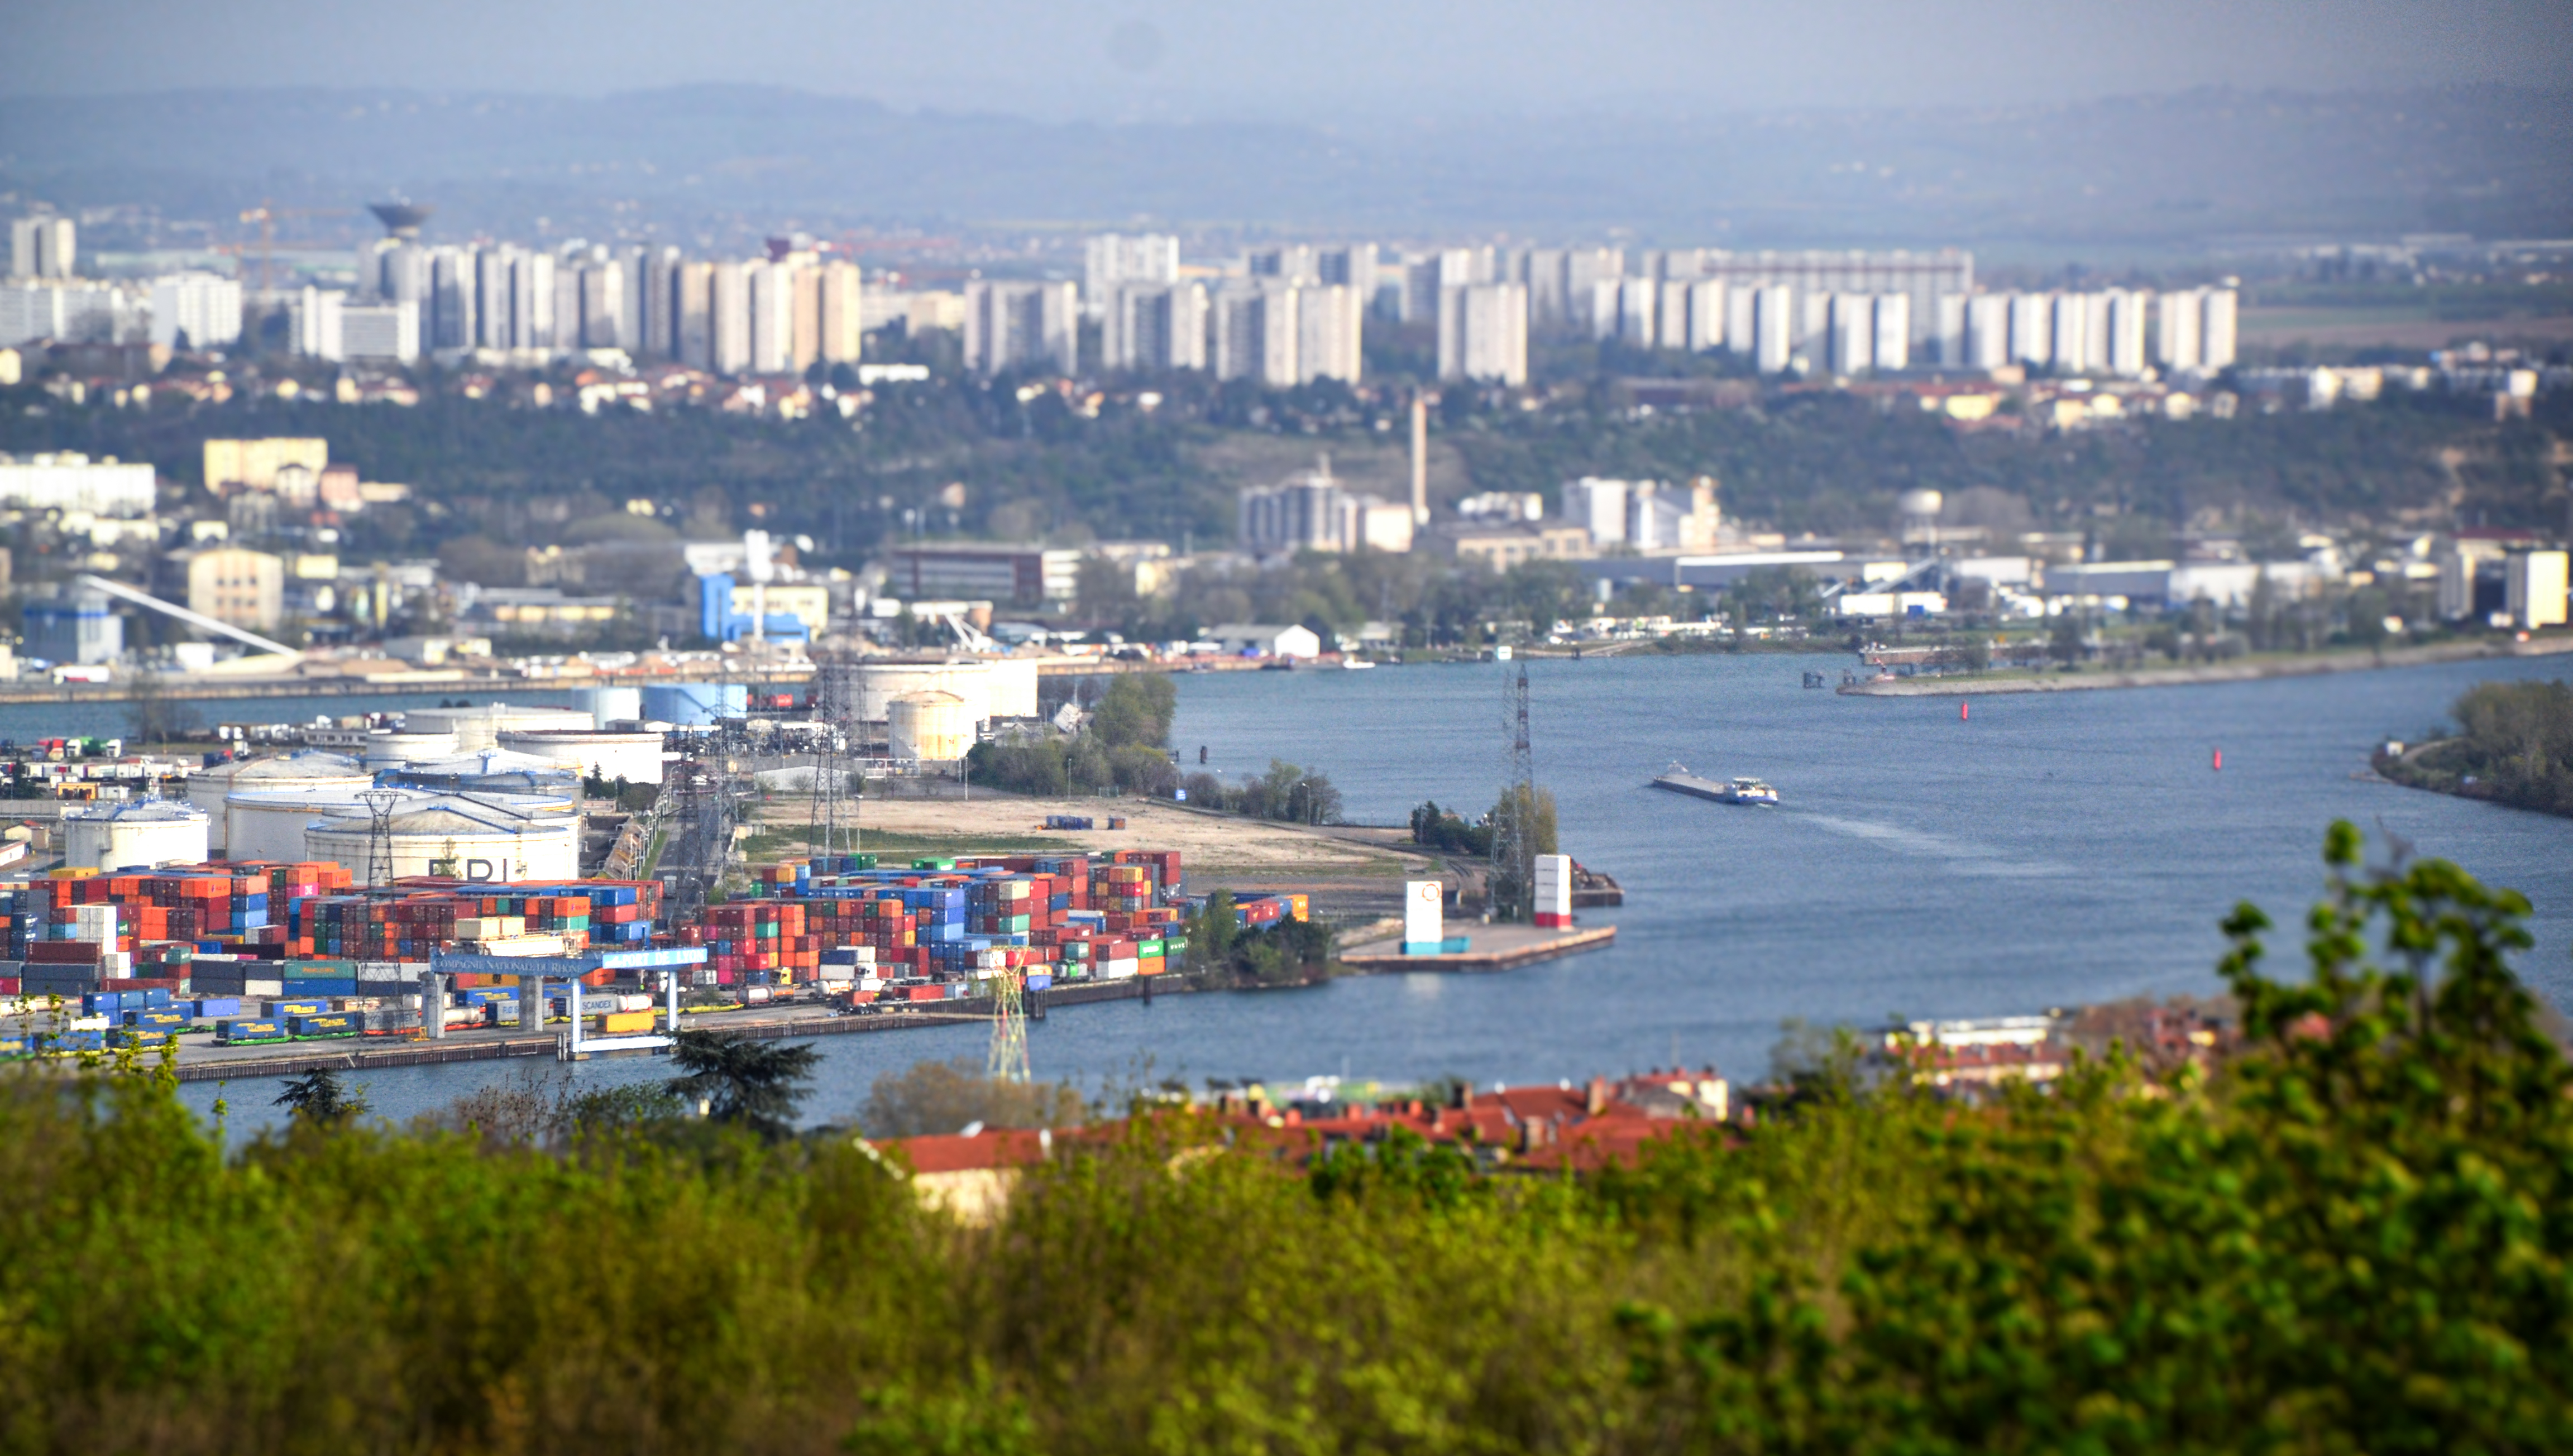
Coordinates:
379	836
833	829
1009	1059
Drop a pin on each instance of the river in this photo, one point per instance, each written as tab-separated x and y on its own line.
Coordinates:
2048	850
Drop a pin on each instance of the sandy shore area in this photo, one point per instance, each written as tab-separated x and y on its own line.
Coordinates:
1955	684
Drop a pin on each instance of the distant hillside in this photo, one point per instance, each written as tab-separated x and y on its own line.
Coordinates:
2175	169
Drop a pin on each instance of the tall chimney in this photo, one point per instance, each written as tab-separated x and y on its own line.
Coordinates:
1420	460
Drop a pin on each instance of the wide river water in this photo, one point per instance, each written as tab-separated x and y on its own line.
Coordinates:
2052	849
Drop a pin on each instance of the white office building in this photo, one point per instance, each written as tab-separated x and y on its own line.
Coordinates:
1117	260
1022	325
1482	332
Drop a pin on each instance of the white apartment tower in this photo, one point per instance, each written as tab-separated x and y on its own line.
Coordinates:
1119	260
1482	332
1019	325
728	317
694	314
43	247
204	309
769	291
2196	329
1155	330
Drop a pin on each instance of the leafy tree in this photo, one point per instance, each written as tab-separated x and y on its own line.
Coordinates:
738	1080
317	1099
944	1096
2514	745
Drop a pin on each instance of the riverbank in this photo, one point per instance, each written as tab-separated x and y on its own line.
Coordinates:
2252	669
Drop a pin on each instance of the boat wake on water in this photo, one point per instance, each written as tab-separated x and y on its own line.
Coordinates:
1957	855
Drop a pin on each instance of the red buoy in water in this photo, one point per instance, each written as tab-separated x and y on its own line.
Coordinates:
2219	758
1963	711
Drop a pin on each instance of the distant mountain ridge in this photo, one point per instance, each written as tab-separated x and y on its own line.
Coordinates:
2172	170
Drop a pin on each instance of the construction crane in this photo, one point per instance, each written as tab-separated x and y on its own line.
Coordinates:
266	214
276	654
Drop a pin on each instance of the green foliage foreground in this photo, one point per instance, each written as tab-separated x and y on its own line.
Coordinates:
2351	1237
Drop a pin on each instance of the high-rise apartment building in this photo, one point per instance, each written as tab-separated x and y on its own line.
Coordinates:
493	271
1352	267
1853	334
2069	348
2216	327
315	318
378	331
2031	328
1156	329
839	312
1988	331
1893	348
195	311
43	247
1773	328
1023	324
602	287
1948	331
451	295
1482	332
2196	329
531	300
661	302
770	290
1116	260
1330	323
1312	511
1256	336
1292	263
692	292
728	317
2125	346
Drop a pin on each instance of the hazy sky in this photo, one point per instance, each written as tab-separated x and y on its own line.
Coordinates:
1314	61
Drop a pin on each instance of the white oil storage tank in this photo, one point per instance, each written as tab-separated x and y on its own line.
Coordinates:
931	727
307	770
871	686
458	836
273	826
694	704
479	726
391	748
633	757
1013	688
609	706
148	833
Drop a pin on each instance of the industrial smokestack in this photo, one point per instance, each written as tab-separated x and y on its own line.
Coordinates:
1420	460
